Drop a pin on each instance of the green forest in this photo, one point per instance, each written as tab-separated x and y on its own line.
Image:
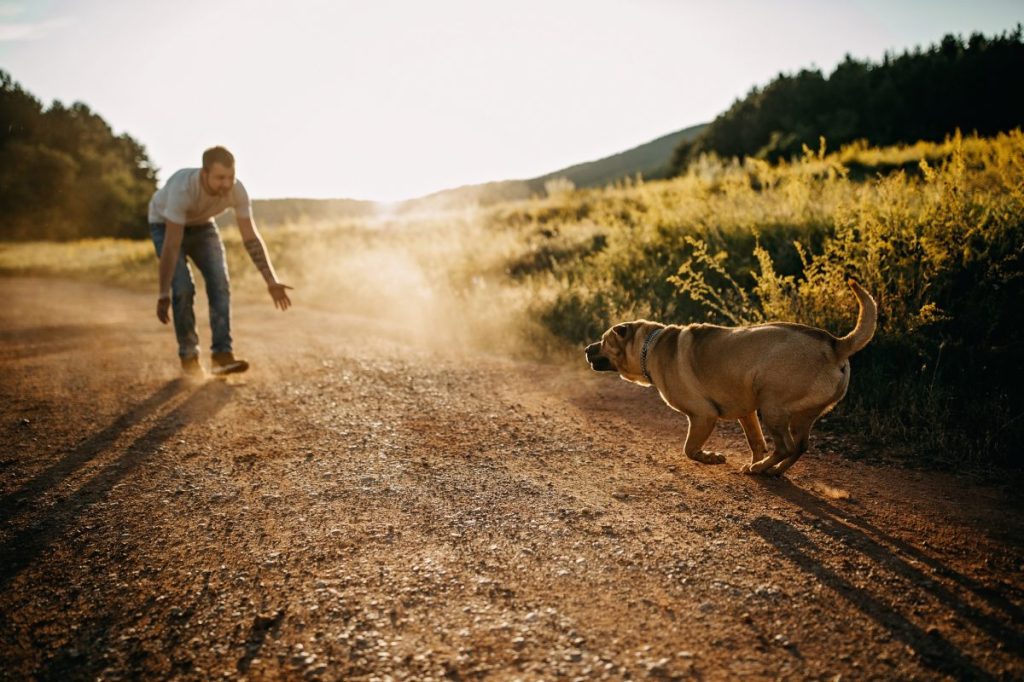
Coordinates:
973	86
64	174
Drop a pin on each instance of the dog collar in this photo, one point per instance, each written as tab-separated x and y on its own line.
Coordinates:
648	342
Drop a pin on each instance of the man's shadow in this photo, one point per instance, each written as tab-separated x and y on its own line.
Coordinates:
855	533
85	452
25	545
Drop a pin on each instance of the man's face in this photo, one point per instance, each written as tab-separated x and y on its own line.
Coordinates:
218	180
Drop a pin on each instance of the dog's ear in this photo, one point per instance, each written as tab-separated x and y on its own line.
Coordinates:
622	330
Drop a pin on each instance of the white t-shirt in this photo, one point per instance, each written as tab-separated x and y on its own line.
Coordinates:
182	200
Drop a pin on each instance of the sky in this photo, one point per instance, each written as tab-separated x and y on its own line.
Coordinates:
389	99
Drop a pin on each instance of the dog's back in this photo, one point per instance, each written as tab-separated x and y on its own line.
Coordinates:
789	366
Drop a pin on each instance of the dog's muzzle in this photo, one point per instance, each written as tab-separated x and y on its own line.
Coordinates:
598	362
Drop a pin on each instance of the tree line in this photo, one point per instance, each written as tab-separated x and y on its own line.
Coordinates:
64	174
973	86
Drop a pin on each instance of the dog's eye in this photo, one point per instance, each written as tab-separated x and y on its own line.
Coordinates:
621	330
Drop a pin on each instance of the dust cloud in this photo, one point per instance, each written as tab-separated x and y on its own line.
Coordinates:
437	277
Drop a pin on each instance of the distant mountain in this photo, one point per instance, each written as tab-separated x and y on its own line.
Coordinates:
651	160
281	211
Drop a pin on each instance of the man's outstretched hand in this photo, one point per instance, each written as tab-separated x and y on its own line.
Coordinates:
163	307
279	293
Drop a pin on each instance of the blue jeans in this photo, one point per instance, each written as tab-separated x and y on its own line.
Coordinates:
202	244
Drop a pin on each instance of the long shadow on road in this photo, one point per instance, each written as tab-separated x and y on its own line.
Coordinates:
839	523
935	651
21	550
86	451
857	534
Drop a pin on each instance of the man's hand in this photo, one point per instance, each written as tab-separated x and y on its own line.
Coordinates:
261	259
163	306
280	295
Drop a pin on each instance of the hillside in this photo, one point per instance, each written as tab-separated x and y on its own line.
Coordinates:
652	160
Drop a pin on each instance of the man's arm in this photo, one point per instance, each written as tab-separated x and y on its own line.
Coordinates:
173	233
261	259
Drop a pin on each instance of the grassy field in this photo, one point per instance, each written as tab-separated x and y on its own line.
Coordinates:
934	231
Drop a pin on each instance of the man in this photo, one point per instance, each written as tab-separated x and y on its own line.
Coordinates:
181	222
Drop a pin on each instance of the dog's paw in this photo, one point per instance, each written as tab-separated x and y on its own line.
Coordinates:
708	457
756	467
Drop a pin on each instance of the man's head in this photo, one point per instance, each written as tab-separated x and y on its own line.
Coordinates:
218	174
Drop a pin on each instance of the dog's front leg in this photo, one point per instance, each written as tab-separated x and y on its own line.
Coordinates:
700	429
755	439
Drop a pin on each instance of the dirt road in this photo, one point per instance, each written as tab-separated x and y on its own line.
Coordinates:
363	506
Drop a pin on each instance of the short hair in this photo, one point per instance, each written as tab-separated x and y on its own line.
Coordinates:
219	155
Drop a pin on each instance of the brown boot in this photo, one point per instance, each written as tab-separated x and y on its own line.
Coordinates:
225	363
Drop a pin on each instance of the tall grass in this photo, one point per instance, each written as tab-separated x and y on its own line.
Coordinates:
122	262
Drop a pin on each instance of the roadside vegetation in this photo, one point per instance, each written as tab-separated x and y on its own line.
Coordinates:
936	233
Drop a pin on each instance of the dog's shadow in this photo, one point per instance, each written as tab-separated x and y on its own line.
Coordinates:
953	590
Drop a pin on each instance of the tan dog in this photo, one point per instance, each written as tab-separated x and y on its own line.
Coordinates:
790	373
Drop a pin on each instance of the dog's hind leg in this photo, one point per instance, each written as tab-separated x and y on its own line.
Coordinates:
755	438
800	428
700	429
777	422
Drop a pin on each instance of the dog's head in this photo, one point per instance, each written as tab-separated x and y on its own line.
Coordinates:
619	350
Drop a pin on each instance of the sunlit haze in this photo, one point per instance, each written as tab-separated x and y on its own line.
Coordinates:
389	100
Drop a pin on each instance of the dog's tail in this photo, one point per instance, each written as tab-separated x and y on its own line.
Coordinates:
867	318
